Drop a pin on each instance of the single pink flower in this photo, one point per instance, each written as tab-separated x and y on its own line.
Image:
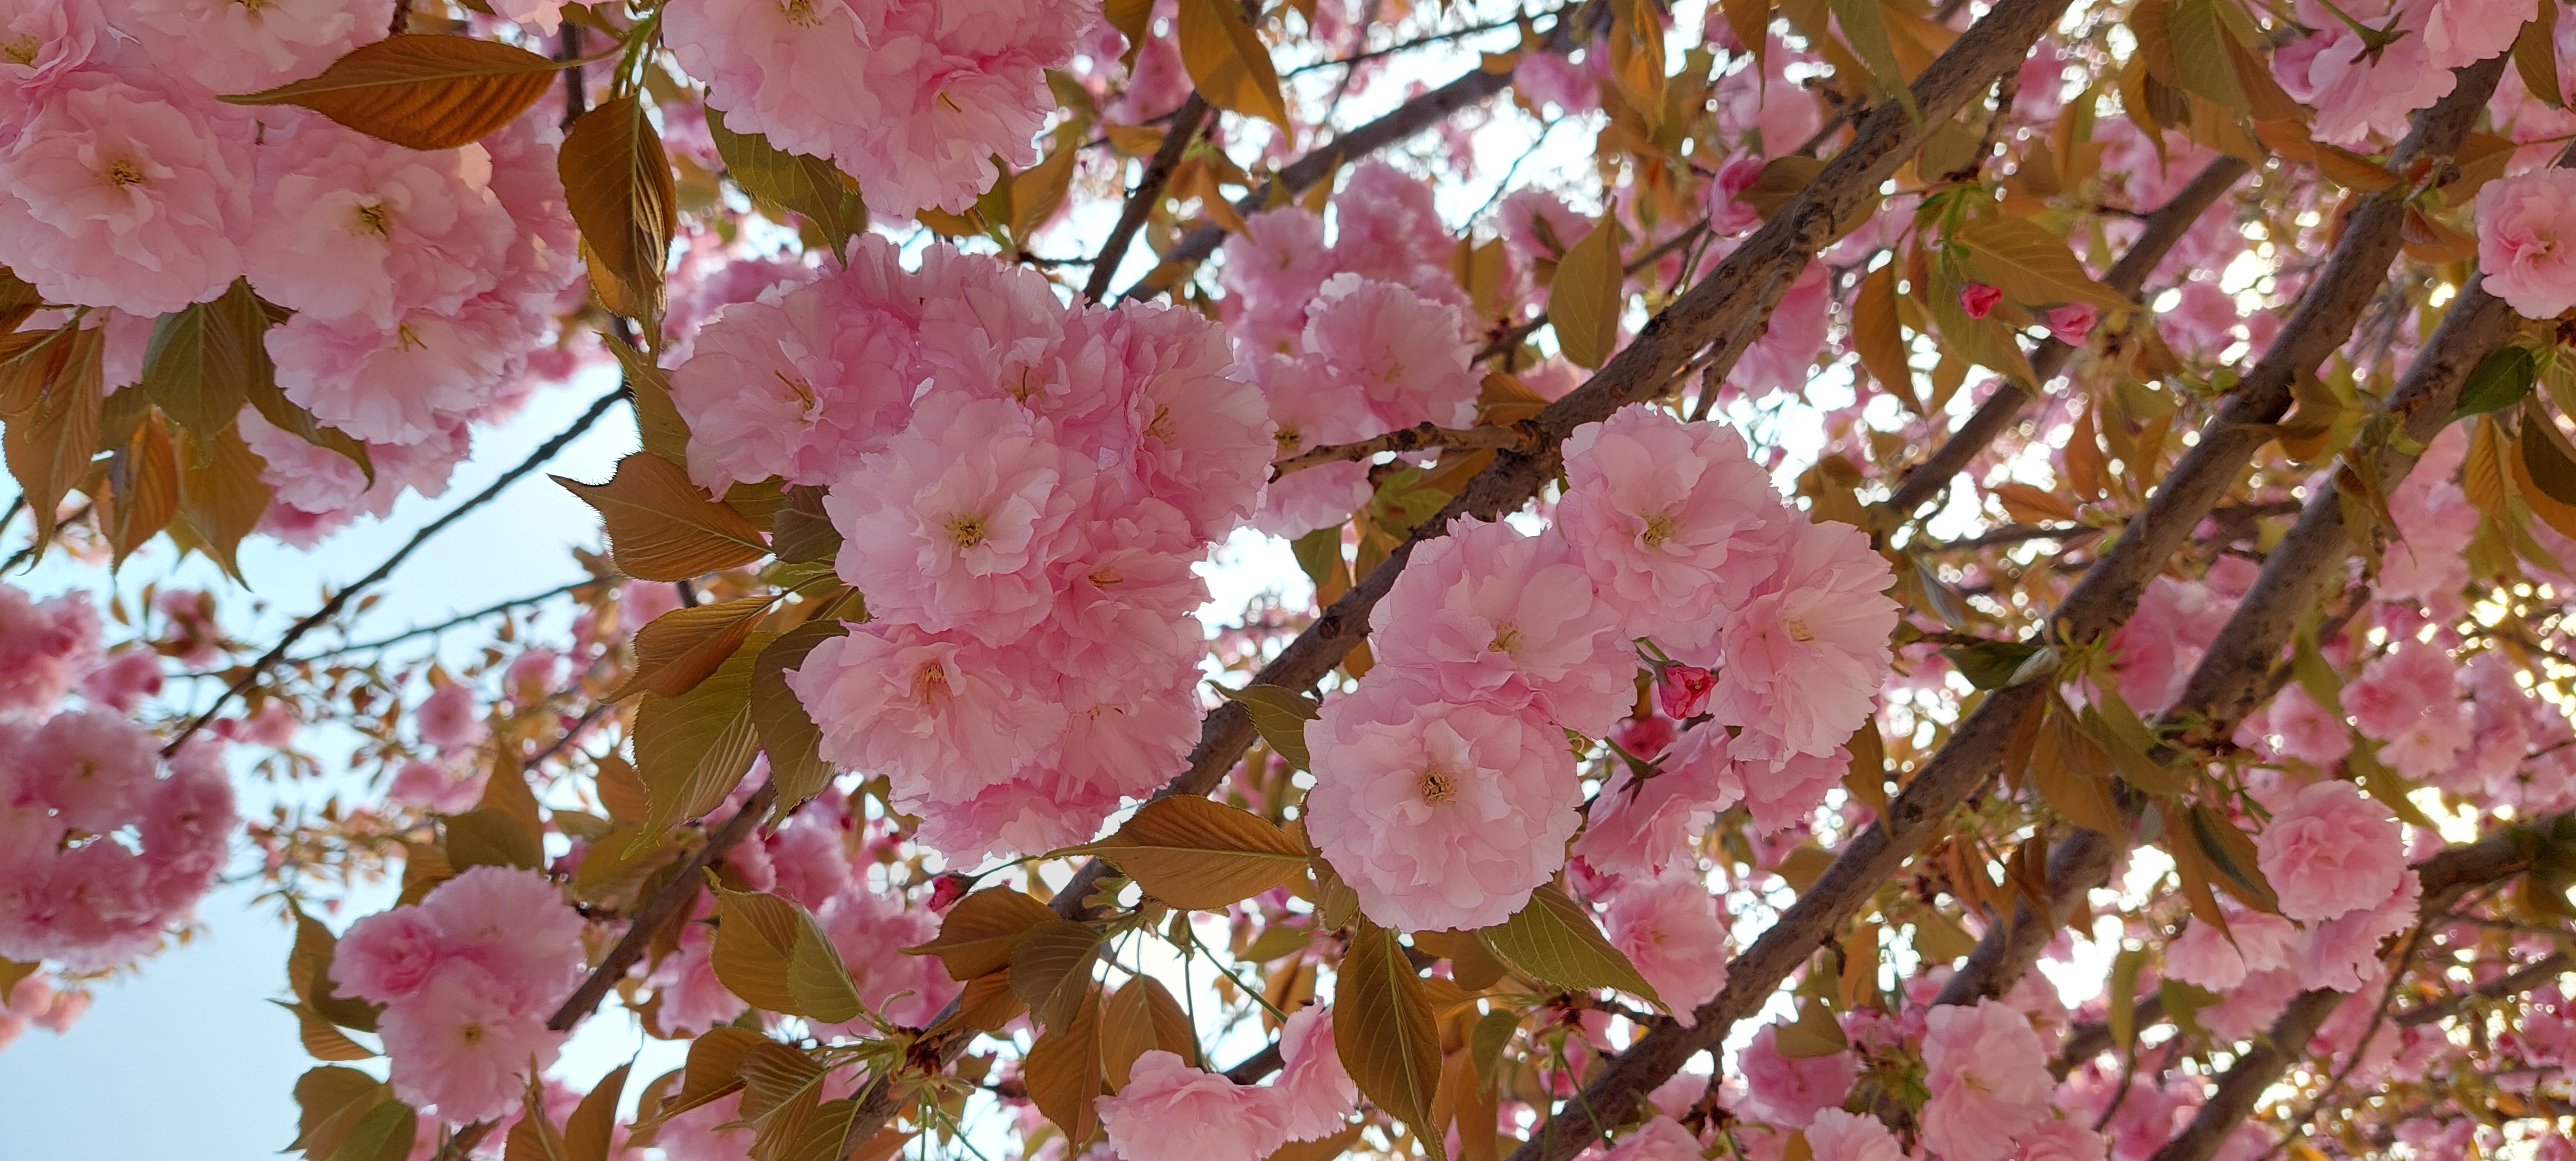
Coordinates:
1840	1136
45	646
2330	852
243	48
1439	815
462	1046
2205	957
1319	1094
1805	657
940	718
1681	691
1989	1079
387	956
2072	323
1490	616
450	718
2062	1141
1407	355
1788	1092
95	769
1674	521
1169	1111
1669	927
2527	241
1979	299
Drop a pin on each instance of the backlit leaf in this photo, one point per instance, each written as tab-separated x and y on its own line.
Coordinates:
330	1101
221	500
713	1071
1228	62
1201	855
202	361
1384	1030
677	650
786	731
422	92
771	952
1063	1070
2029	264
1281	716
1051	968
617	182
977	935
2499	381
811	186
692	750
663	527
586	1135
48	444
1556	940
1584	302
1880	340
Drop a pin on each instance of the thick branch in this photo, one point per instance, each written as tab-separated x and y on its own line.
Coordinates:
340	600
2164	228
671	902
2098	603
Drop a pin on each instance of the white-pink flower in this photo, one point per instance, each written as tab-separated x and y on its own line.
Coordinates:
354	229
1806	655
1490	616
1673	520
1169	1111
2330	852
2527	241
1438	815
1406	354
463	1046
1836	1135
955	525
939	717
116	195
1669	927
1989	1079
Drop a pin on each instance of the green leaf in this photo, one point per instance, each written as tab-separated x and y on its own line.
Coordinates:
658	423
330	1101
1584	302
713	1072
2230	852
810	186
1280	714
422	92
2122	1000
1384	1030
2499	381
490	838
786	731
1813	1034
384	1134
1051	968
1556	940
663	527
48	444
2112	723
221	501
1990	664
692	750
1492	1034
2201	54
201	362
1864	25
2072	771
1200	855
2028	263
770	952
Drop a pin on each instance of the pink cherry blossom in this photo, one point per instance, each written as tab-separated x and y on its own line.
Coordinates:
243	48
806	380
1406	354
1661	1138
1439	815
941	718
1641	826
1387	227
516	926
1979	299
1273	269
2521	223
2153	652
2072	323
94	769
2309	732
1682	691
2206	957
1671	519
1669	927
463	1045
45	646
799	74
1490	616
450	718
354	229
49	41
1200	433
2330	852
388	956
1989	1079
400	384
124	679
1318	1092
2461	32
1169	1111
1310	408
2062	1141
955	525
1840	1136
1805	657
907	989
2342	952
116	195
1783	356
1789	1092
2356	92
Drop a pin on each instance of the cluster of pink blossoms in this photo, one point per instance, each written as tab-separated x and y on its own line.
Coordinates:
420	281
914	98
1022	488
1352	339
2358	89
101	851
467	978
1445	790
1170	1110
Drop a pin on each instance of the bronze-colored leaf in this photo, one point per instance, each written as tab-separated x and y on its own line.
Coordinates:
1051	968
1384	1030
1556	940
1228	62
421	92
977	935
662	527
49	442
677	650
586	1135
1585	300
617	182
810	186
1063	1071
786	731
1201	855
221	501
692	750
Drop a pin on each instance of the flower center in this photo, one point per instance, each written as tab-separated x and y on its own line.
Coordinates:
1799	632
1507	638
1289	439
931	684
374	219
471	1034
123	172
407	338
966	529
1105	576
1161	428
1436	786
801	13
1659	528
804	391
22	51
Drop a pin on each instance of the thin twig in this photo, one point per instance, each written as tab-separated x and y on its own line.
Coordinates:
1517	437
340	600
1147	194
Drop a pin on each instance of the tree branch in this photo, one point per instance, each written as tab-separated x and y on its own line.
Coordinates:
1147	194
1415	438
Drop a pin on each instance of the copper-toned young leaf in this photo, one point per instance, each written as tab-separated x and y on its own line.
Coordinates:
142	489
423	92
677	650
1228	62
48	443
1279	714
1063	1070
1584	302
810	186
586	1135
2029	264
977	935
330	1101
221	501
617	182
1880	340
1201	855
1051	968
1384	1030
662	527
714	1070
786	731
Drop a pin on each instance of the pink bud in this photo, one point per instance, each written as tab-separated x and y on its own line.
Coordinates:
1682	691
946	890
2072	322
1979	299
